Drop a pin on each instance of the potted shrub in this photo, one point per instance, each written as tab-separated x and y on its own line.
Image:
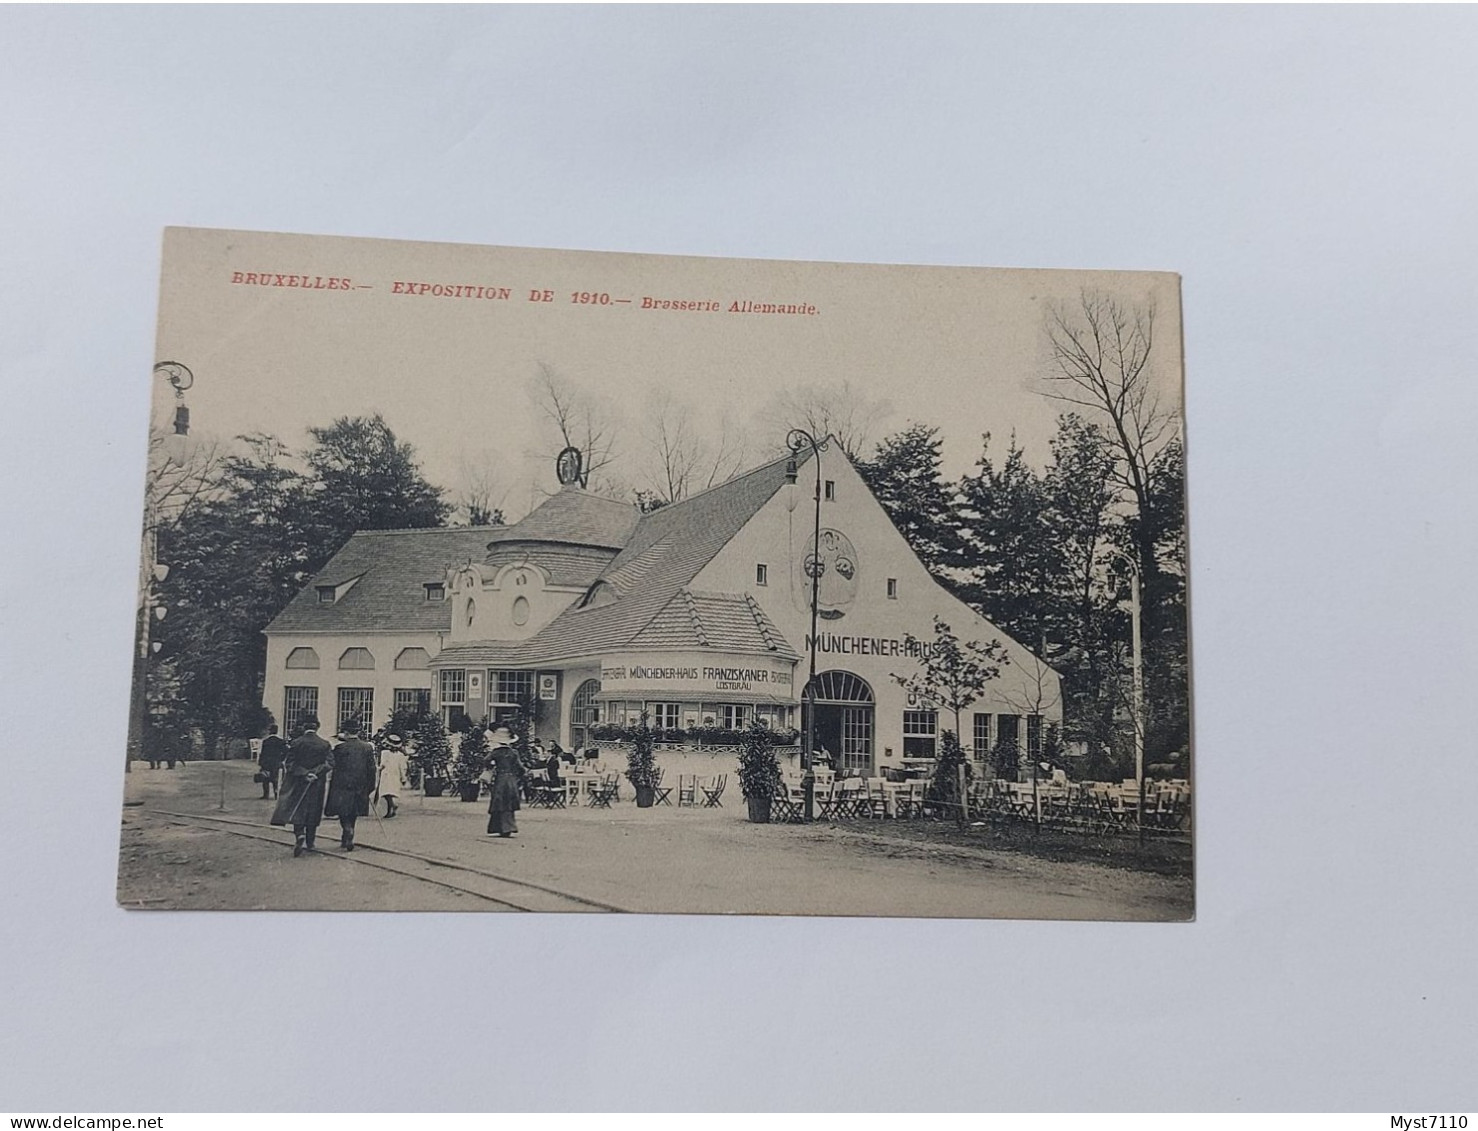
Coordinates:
641	764
472	759
433	750
759	771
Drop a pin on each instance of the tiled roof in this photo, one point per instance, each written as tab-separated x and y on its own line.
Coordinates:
650	578
574	517
566	565
392	566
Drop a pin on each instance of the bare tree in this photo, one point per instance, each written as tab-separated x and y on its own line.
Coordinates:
838	409
181	474
1101	356
681	460
579	419
481	493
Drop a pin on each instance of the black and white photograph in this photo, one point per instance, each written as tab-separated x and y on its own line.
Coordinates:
505	579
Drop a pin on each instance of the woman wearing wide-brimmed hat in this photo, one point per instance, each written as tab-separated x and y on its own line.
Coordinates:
507	773
394	766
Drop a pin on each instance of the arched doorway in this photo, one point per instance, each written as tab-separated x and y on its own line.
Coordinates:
583	713
844	718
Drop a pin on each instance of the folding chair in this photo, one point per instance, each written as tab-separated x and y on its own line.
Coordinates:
663	792
784	810
712	794
874	801
603	792
687	789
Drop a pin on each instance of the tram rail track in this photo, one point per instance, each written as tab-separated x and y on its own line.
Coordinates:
524	896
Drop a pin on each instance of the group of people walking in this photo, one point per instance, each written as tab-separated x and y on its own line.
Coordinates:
320	780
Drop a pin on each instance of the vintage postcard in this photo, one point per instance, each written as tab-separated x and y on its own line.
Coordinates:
496	579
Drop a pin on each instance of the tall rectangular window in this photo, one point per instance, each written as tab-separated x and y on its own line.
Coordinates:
892	589
1034	736
356	704
733	716
298	702
1008	732
831	490
511	688
920	731
453	696
761	574
665	716
980	736
416	699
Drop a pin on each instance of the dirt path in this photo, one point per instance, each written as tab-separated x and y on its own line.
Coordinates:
709	861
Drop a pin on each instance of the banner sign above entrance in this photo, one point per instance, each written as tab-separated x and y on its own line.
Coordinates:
693	676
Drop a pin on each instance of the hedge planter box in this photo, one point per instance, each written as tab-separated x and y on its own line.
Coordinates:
759	810
468	791
645	795
435	788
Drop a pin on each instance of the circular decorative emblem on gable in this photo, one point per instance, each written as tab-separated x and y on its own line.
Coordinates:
568	465
835	558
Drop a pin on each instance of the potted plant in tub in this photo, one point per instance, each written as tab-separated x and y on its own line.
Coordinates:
471	761
433	750
641	764
759	771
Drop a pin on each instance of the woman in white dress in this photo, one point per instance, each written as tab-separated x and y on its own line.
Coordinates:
393	772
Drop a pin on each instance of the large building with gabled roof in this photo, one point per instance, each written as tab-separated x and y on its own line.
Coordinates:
697	613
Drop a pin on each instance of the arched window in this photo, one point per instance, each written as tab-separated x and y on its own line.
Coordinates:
471	611
520	611
357	659
841	687
412	660
302	658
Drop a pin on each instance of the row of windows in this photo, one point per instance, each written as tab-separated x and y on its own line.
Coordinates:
361	659
921	734
672	716
509	688
762	577
355	704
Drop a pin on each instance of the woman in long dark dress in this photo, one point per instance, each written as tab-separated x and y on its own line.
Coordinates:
507	778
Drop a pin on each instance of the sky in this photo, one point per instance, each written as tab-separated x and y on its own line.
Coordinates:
349	327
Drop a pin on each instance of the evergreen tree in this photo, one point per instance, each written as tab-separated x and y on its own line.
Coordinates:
1011	562
904	475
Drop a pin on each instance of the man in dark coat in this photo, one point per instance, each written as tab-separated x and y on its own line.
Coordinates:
301	803
269	762
353	781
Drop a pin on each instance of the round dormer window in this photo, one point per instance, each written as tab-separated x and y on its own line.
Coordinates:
521	611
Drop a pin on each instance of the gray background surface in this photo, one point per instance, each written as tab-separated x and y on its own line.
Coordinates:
1310	172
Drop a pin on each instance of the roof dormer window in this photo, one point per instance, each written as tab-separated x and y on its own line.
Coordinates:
435	590
326	594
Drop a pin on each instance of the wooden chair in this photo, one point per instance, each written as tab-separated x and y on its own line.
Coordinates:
603	792
874	799
713	794
663	792
687	790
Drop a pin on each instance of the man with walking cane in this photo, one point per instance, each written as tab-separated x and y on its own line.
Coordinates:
301	801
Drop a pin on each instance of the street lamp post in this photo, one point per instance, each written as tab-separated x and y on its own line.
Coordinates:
151	572
798	441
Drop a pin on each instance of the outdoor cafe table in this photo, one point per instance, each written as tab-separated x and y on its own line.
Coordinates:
581	782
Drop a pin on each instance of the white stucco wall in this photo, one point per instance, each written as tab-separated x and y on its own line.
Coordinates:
328	677
779	535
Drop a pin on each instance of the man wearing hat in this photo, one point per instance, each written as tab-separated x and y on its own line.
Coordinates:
353	781
301	803
394	768
507	783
